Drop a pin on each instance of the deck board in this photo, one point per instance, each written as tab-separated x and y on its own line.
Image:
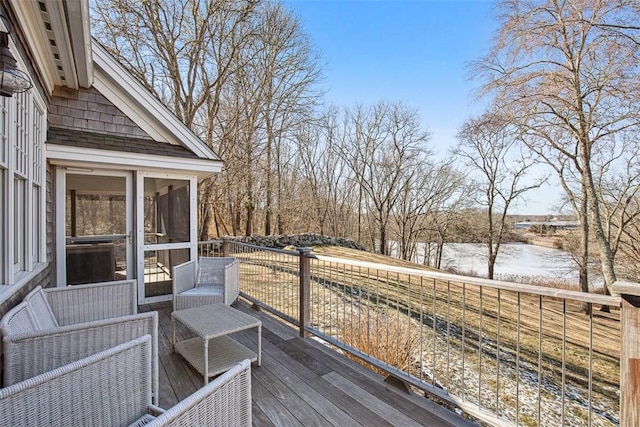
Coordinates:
332	413
299	408
301	382
378	406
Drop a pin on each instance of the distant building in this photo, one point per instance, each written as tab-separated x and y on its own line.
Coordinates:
555	225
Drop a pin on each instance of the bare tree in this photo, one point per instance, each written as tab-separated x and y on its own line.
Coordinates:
413	200
489	146
325	174
382	148
240	74
182	50
185	52
425	203
629	246
567	73
288	68
619	192
618	189
454	194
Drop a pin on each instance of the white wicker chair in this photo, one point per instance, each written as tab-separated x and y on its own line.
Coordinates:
54	327
114	387
210	280
225	401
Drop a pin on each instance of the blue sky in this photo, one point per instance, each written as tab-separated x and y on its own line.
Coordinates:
411	51
414	51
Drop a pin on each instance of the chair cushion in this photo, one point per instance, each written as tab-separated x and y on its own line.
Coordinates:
205	290
40	308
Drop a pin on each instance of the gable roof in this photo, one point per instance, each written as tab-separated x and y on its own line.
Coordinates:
130	96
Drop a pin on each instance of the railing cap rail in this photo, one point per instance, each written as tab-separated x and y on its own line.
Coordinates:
624	287
495	284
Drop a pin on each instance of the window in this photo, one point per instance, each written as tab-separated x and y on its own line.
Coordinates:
22	179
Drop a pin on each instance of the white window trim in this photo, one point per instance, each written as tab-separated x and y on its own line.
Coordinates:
13	277
20	218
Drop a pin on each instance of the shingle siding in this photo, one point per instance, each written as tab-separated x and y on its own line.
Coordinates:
115	142
89	110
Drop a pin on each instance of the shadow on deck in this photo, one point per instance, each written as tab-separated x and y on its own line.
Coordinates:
301	382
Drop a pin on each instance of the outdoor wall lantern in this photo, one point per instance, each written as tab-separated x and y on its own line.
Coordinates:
12	80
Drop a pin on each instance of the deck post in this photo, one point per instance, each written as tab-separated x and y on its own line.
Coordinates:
629	352
305	289
225	247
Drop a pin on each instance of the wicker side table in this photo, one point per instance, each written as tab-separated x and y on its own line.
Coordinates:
212	324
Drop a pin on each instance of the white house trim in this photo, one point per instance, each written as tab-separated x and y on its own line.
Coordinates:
28	14
133	99
91	157
58	22
71	32
79	30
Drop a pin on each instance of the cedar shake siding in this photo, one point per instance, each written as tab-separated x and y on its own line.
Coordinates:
88	110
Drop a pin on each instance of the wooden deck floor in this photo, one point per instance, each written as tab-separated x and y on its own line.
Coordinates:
302	382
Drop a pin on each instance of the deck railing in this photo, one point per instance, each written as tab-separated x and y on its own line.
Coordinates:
506	353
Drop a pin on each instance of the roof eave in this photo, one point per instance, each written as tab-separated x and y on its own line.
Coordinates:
62	48
80	34
63	155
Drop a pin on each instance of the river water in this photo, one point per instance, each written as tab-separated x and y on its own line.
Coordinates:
514	259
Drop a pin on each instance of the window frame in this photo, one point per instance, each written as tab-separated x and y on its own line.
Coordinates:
23	127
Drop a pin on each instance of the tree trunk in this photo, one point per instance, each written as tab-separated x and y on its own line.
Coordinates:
492	254
237	218
206	223
606	256
383	240
584	253
207	214
269	178
491	264
280	223
439	252
248	228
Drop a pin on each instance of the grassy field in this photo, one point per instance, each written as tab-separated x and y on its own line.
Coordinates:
484	345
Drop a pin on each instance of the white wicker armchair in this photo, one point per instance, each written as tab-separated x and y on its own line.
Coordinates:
226	401
210	280
113	388
54	327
